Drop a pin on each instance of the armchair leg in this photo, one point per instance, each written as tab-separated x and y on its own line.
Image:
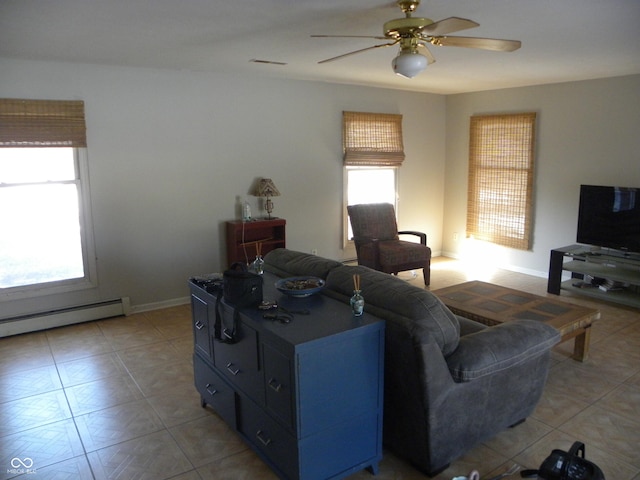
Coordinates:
426	273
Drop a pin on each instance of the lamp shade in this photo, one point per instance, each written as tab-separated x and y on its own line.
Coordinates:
409	64
266	188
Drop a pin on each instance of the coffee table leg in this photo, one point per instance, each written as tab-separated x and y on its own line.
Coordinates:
581	345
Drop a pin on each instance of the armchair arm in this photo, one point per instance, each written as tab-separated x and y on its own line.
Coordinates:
498	348
423	236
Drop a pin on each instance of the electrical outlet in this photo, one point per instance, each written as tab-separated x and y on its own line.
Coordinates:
455	236
314	251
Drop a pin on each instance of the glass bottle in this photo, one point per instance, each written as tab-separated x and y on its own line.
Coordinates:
246	212
357	303
258	265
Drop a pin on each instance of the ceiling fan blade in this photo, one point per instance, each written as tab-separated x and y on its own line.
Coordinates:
427	53
359	51
449	25
348	36
494	44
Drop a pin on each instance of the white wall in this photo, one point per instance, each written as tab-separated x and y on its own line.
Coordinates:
170	151
587	133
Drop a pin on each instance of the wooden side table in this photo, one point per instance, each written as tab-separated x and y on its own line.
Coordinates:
245	238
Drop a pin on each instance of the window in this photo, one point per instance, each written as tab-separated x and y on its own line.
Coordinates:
501	179
46	239
373	151
370	185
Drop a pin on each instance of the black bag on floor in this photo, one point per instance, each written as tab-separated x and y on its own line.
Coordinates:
561	465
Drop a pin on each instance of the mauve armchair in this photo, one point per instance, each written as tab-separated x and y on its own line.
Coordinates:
378	245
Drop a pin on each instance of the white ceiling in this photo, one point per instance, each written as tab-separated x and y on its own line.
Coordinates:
562	40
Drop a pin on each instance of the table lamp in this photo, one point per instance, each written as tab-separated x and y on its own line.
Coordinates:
266	188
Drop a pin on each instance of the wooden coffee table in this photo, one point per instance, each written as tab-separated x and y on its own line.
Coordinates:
493	304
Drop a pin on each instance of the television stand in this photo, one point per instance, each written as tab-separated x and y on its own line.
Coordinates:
607	275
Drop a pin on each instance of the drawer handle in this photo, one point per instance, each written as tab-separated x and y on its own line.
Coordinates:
273	383
199	325
233	372
264	441
211	392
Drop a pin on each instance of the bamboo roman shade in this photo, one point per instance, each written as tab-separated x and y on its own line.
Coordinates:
500	189
42	123
372	139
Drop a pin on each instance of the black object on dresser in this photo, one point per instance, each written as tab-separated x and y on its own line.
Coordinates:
305	395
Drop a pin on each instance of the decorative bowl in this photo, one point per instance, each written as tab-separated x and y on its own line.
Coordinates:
300	286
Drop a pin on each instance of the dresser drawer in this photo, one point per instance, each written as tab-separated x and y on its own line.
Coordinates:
201	336
238	362
270	439
278	384
215	391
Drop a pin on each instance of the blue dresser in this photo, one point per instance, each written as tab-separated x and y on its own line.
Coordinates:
305	395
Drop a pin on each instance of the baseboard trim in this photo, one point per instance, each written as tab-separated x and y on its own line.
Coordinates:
148	307
64	316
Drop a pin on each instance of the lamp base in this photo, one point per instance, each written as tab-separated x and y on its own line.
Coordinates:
268	206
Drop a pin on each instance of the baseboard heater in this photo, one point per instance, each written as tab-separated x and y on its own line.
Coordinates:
64	316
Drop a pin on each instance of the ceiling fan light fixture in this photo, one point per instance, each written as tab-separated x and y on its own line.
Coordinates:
409	63
414	34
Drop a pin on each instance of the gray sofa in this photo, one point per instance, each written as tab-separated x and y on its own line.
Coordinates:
450	382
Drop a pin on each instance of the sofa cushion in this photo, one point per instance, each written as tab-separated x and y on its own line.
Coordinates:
493	349
289	263
392	299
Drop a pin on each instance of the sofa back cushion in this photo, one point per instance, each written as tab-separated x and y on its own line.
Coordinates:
395	300
289	263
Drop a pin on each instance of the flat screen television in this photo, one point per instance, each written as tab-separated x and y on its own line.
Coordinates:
609	217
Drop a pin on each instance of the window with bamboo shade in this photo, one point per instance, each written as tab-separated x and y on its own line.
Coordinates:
500	188
373	152
44	194
372	139
42	123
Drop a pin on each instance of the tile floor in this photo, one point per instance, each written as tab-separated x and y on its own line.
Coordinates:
115	399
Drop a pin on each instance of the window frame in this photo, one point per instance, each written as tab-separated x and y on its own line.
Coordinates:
347	242
54	123
89	279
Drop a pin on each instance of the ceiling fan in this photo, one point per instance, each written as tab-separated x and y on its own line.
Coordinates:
413	34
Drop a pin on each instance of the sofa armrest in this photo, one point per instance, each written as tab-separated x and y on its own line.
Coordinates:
421	235
498	348
467	326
